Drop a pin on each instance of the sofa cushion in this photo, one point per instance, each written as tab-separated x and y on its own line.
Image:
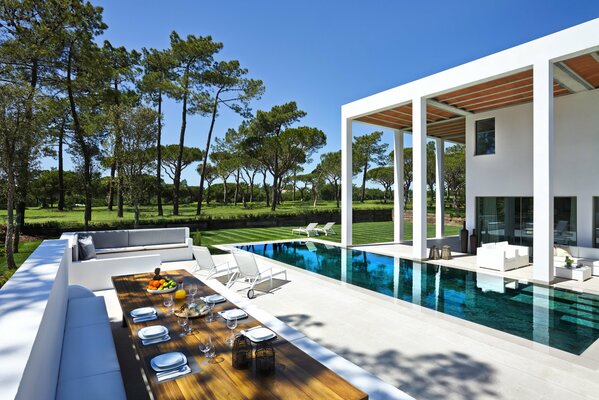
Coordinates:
87	350
165	246
86	311
148	237
87	250
78	291
95	387
109	239
119	249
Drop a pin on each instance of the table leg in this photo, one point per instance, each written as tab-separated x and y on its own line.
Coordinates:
124	323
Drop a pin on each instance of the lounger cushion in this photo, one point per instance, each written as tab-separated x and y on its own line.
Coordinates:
95	387
78	291
148	237
87	250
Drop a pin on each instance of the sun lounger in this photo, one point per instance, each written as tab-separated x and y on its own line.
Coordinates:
308	230
327	229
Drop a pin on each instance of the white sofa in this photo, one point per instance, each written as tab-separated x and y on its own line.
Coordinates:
584	256
123	252
501	256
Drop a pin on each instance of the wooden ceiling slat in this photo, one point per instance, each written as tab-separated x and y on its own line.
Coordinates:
376	121
495	89
587	67
470	105
486	85
388	118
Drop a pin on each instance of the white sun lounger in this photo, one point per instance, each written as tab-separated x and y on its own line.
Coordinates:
327	229
248	272
204	261
310	229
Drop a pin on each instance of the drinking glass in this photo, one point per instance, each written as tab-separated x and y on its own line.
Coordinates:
231	324
168	303
183	322
210	316
206	347
193	290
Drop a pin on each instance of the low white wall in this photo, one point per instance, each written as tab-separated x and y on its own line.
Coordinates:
509	172
33	300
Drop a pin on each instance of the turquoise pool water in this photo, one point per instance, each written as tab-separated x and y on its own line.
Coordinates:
558	318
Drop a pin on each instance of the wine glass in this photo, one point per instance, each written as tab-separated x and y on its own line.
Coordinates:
206	347
231	324
193	290
183	321
168	303
210	316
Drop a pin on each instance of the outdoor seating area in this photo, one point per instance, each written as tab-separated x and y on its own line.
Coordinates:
501	256
313	229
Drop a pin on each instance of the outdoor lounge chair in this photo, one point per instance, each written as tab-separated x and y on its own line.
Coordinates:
247	271
327	229
204	261
310	229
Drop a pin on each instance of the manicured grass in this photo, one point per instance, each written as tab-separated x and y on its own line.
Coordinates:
363	233
25	250
186	211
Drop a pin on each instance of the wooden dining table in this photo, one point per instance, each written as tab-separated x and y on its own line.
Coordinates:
296	374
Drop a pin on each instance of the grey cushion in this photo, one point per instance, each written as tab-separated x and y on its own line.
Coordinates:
95	387
165	246
78	291
87	250
119	249
86	311
148	237
107	239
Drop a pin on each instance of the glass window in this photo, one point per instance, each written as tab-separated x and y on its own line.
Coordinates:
595	221
485	136
564	220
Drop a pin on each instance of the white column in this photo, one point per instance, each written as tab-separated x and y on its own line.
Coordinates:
439	187
398	193
346	181
419	178
543	170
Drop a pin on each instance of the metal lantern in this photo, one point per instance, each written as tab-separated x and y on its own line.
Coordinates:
242	352
265	358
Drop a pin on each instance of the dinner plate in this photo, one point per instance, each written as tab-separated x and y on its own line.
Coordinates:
143	312
152	332
162	291
214	298
236	313
167	361
260	334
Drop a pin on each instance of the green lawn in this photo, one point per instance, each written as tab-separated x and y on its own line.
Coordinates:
363	233
186	211
25	250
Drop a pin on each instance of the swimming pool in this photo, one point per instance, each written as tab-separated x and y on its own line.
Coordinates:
562	319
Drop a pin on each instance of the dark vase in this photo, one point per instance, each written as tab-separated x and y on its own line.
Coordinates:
473	242
464	239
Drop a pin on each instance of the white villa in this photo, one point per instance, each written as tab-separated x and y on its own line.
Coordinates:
529	117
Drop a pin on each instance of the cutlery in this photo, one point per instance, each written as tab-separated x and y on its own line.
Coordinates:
173	373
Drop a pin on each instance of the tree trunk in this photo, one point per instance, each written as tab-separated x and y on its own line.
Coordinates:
20	221
294	182
177	180
206	152
337	194
236	187
364	183
10	197
61	188
136	215
159	157
208	194
275	182
119	194
253	176
111	183
265	186
225	191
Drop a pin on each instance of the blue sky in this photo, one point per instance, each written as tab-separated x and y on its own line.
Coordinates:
323	54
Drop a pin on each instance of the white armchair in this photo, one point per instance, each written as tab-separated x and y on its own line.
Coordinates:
501	256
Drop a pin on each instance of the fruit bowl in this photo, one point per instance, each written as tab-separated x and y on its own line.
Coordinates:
162	291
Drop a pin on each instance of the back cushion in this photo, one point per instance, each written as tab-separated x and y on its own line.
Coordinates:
146	237
109	239
87	251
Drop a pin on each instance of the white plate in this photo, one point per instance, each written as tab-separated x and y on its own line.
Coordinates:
152	332
143	312
260	334
236	313
215	298
167	361
162	291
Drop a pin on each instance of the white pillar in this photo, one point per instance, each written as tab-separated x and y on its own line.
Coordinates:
543	171
346	181
419	178
439	187
398	193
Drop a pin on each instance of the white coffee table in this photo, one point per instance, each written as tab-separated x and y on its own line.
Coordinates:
576	273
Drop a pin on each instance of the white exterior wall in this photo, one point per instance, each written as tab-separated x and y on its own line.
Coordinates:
509	172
